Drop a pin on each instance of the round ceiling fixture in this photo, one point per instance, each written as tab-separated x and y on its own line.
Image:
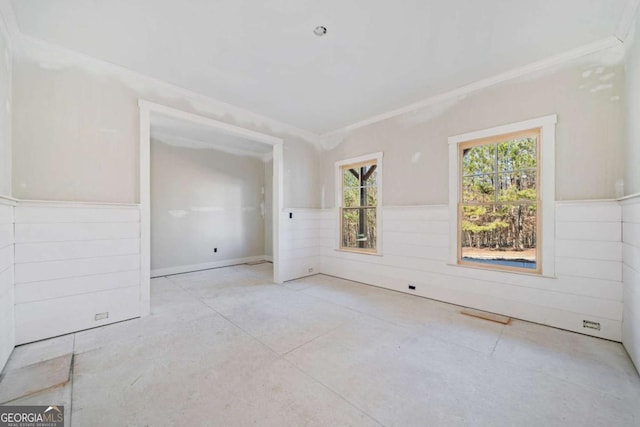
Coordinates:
320	31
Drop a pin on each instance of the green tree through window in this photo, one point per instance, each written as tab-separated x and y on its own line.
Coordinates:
499	201
359	206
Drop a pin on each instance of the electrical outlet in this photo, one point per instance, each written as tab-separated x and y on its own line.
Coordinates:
591	324
101	316
412	287
290	215
215	250
310	270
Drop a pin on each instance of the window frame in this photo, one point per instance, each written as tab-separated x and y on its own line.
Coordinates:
492	141
339	199
545	221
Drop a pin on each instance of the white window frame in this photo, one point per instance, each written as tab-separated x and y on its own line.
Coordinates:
546	187
377	157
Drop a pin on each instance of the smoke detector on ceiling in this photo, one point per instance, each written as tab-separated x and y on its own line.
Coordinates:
320	31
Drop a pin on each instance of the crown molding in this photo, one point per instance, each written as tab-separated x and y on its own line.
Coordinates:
629	17
533	67
58	57
8	25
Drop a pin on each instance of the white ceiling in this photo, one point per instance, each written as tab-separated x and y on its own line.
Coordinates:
262	55
180	133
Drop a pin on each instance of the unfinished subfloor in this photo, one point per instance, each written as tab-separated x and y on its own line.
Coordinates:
226	347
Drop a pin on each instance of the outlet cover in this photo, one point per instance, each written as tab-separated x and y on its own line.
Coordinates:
101	316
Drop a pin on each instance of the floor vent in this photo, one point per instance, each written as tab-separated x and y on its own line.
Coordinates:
486	315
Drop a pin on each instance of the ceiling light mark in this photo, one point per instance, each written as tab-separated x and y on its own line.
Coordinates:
320	30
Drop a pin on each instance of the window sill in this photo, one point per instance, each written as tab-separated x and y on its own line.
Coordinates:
358	252
498	270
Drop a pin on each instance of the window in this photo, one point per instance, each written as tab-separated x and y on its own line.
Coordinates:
499	200
359	197
498	197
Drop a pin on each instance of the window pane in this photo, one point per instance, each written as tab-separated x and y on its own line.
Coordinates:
371	175
349	179
351	197
360	196
359	228
517	154
500	235
516	186
479	188
479	160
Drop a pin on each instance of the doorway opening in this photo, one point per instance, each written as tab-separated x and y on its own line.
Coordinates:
219	182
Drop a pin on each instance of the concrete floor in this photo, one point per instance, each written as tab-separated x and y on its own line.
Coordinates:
226	347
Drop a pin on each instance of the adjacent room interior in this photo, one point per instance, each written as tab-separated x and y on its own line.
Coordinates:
320	213
206	187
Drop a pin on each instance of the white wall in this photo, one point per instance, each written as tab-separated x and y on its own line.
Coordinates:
76	136
5	110
631	207
415	247
203	199
589	134
301	231
7	325
587	95
73	261
632	74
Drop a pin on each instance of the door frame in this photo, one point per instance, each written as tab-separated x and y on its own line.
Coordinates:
147	108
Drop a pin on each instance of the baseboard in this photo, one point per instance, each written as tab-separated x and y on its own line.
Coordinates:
268	258
205	266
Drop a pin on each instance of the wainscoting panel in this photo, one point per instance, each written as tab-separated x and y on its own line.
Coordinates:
77	266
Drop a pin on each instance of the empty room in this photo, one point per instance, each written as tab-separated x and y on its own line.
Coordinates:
335	213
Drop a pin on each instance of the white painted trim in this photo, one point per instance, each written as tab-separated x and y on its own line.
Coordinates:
338	194
552	61
146	109
503	129
578	202
159	272
629	197
66	204
363	158
547	142
278	206
454	172
629	16
6	200
206	121
145	210
71	204
632	200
